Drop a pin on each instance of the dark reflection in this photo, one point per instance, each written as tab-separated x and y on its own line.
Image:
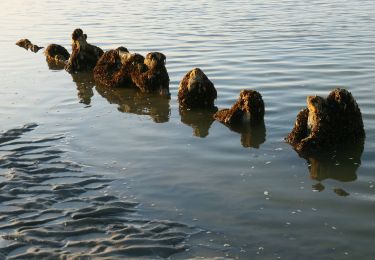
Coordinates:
83	80
318	187
251	136
131	100
342	166
199	119
341	192
85	83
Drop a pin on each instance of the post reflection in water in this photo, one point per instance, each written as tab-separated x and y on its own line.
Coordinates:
83	80
131	100
251	136
200	120
341	167
85	84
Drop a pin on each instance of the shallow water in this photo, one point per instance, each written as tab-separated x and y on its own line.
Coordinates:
75	158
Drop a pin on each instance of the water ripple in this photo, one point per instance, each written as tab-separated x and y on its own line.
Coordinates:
44	220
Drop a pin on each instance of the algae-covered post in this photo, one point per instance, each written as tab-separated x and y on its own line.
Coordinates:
119	68
56	53
246	117
196	90
84	55
152	76
110	72
56	56
327	124
26	44
249	108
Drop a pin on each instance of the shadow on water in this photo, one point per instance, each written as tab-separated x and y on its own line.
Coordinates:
51	209
199	120
342	167
131	100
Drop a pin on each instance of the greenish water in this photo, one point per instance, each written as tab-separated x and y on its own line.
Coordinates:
194	178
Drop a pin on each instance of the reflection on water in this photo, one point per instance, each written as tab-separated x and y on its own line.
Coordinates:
83	80
251	136
85	83
199	120
342	167
135	102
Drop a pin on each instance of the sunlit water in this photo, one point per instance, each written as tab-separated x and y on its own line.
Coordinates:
76	158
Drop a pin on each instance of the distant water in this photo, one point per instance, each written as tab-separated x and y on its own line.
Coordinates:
116	173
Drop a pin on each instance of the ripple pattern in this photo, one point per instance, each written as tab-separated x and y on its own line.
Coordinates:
42	218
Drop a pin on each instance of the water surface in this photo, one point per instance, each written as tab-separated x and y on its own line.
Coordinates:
211	191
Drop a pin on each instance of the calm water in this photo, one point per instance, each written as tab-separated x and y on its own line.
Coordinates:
91	171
